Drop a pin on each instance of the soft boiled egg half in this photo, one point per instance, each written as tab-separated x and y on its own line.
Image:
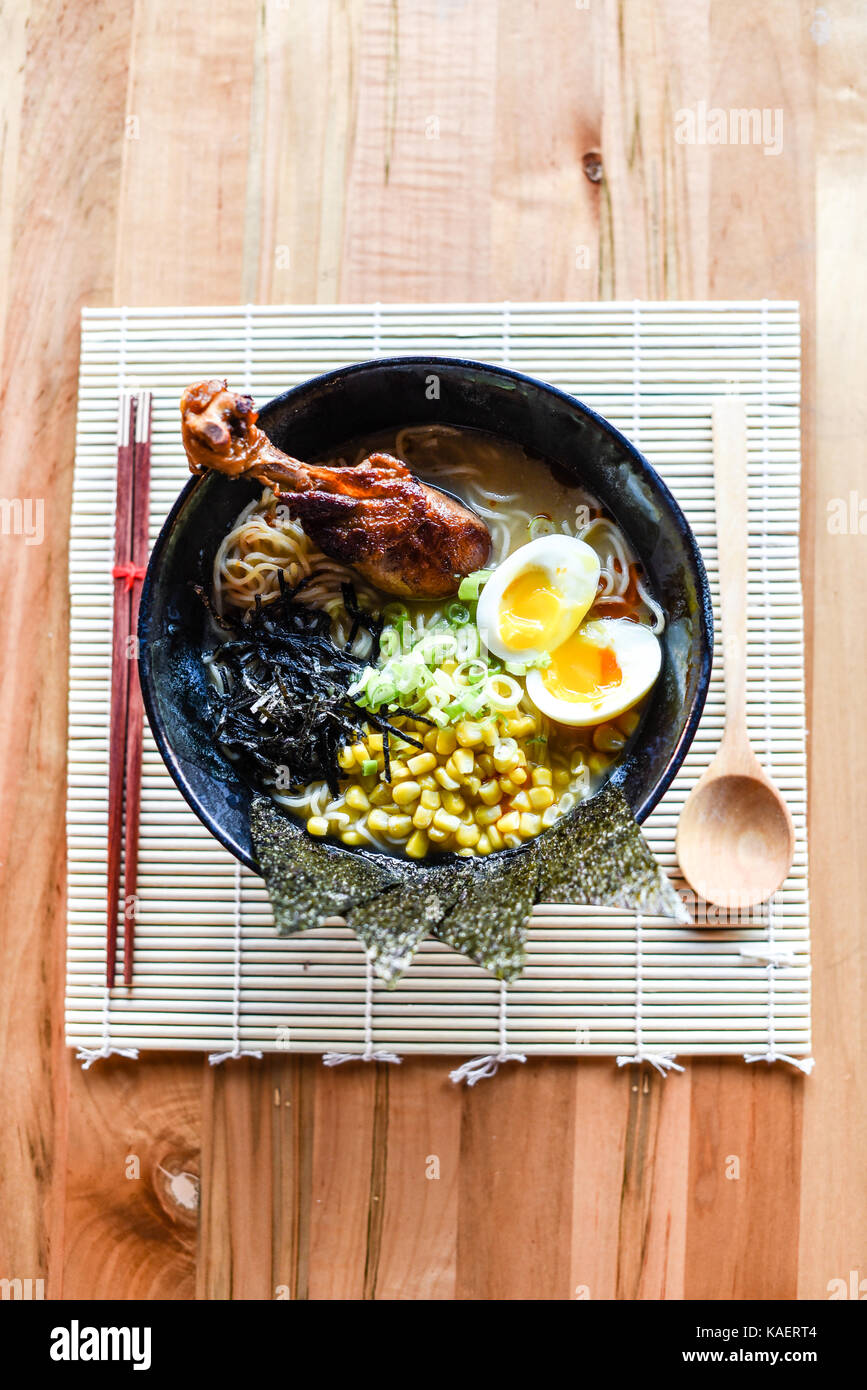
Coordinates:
537	597
601	670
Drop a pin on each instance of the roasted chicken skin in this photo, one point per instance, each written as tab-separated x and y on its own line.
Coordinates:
405	537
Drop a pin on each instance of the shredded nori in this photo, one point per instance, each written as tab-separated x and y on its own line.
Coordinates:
598	855
489	921
287	710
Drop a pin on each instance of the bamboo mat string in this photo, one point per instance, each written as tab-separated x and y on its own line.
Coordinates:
480	1067
88	1055
336	1059
774	960
664	1062
215	1058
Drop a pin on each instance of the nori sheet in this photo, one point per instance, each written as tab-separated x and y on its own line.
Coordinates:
489	921
309	881
595	855
393	926
598	855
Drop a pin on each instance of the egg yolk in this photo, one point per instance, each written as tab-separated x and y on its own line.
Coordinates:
530	612
581	670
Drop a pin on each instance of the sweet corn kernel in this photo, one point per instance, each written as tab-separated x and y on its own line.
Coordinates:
357	799
487	815
469	735
509	824
345	758
608	738
422	762
317	825
531	824
399	826
629	722
431	799
446	741
381	795
437	835
508	787
464	761
522	726
521	802
446	780
443	821
550	815
467	835
562	778
485	764
484	843
495	837
473	785
490	734
406	792
399	770
352	837
422	817
512	841
377	821
489	792
374	743
360	752
598	763
416	845
430	740
540	797
519	775
453	802
541	776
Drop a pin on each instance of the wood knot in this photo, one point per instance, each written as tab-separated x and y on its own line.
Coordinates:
592	165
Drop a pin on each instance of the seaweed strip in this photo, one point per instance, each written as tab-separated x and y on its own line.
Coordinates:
308	882
598	855
393	925
489	921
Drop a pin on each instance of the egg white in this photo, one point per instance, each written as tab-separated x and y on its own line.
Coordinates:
572	568
639	655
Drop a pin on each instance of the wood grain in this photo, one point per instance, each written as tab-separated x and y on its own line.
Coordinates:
423	149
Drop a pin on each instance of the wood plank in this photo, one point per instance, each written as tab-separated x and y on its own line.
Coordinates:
178	237
833	1199
132	1183
63	165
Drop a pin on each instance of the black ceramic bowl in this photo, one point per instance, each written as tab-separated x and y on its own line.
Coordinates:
320	416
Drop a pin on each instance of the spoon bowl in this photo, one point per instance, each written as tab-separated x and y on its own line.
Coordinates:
735	840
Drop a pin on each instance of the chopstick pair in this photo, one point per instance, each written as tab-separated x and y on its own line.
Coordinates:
126	726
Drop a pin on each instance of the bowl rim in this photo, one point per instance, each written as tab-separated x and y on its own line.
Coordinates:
331	378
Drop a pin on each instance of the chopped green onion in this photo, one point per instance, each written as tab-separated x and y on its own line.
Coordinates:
394	612
458	614
473	583
368	767
471	672
501	692
389	642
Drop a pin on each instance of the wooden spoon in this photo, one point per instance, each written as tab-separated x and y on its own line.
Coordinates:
735	838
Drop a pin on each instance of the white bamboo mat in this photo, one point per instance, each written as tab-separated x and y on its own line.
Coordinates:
210	974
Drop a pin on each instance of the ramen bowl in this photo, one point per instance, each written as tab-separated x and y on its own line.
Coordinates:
318	417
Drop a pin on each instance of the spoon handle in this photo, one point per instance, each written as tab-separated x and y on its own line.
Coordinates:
732	526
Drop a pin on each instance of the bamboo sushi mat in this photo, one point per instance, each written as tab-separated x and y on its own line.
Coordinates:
210	973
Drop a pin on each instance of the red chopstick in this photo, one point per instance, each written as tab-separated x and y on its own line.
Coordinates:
135	717
125	724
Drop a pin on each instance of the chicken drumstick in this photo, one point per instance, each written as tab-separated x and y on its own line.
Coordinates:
405	537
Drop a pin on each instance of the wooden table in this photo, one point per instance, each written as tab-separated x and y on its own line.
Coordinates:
177	152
